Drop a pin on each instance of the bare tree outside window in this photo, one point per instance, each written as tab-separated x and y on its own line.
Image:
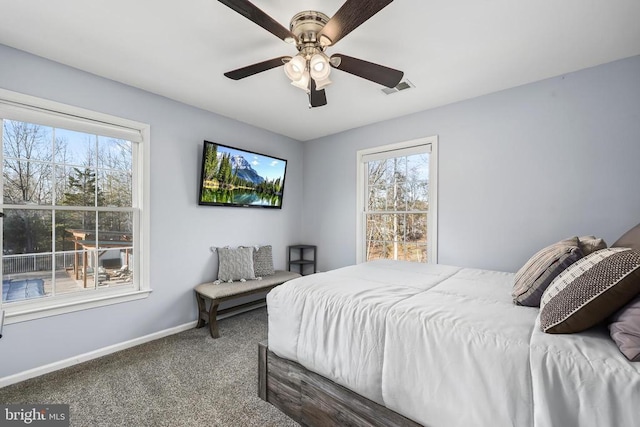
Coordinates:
397	208
68	207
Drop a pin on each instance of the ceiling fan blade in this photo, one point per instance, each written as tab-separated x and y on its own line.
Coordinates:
367	70
250	70
350	16
317	98
251	12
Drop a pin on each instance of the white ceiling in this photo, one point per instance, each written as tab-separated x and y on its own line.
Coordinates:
450	50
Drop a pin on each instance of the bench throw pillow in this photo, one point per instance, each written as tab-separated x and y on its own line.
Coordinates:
624	328
235	264
590	290
536	275
263	261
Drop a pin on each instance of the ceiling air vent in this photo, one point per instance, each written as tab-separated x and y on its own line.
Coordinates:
405	84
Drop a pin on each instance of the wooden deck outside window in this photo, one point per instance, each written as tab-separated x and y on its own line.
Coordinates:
82	240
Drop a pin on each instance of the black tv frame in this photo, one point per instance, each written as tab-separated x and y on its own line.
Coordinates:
201	187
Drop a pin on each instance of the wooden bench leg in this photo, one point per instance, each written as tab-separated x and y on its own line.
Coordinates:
213	321
202	309
211	315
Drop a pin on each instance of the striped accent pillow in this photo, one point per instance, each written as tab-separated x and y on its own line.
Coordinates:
590	290
536	275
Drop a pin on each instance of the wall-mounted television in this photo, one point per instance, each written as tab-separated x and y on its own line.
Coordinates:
236	177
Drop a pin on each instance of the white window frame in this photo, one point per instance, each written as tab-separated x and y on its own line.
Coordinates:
394	150
26	108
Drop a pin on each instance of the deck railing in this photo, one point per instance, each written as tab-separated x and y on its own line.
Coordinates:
27	263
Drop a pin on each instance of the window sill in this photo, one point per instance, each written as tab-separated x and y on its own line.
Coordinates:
27	310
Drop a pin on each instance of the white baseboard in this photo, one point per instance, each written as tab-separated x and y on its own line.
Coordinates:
41	370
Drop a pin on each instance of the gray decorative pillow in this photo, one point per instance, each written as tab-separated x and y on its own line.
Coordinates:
235	264
590	290
263	261
590	244
625	329
536	275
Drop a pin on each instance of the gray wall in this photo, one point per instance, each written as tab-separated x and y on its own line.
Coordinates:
181	231
519	169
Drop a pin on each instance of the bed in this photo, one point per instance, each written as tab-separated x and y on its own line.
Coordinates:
399	343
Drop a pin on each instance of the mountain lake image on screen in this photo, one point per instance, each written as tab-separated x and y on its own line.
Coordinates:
235	177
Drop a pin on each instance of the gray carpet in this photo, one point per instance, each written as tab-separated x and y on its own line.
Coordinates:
181	380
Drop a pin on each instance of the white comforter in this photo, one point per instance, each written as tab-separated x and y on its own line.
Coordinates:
583	380
445	346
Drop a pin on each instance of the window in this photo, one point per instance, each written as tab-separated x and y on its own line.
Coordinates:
397	202
72	195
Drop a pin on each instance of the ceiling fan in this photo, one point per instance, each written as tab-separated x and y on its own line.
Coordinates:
312	33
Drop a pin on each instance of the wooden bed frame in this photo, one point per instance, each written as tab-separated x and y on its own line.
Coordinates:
313	400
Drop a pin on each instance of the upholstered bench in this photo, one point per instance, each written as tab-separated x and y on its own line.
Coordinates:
217	293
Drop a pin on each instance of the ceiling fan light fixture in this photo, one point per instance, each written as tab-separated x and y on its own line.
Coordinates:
302	82
322	83
312	32
295	68
319	67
